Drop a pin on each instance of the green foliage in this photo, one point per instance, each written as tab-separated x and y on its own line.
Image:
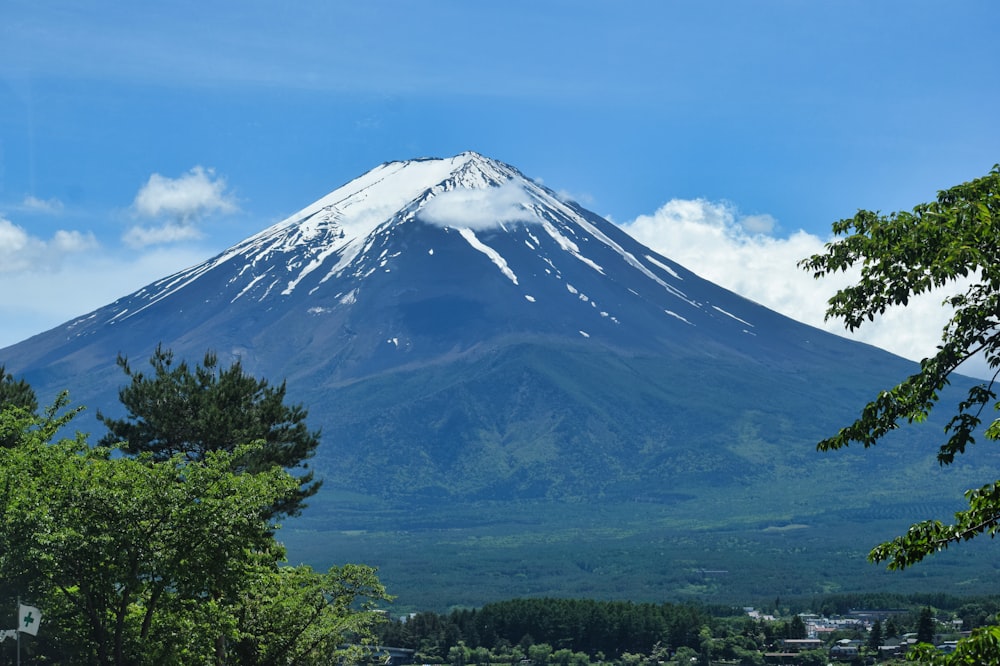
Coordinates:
575	631
926	626
875	637
162	560
15	393
953	242
294	616
110	536
547	627
796	627
902	255
982	647
178	410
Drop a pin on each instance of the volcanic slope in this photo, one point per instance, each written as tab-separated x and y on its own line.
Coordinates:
493	367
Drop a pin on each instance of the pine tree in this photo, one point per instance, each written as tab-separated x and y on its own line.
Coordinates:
18	394
925	626
875	637
796	628
180	410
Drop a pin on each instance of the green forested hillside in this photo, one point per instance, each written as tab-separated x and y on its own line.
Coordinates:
525	471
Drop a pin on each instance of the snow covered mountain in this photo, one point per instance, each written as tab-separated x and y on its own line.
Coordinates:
466	338
418	258
433	274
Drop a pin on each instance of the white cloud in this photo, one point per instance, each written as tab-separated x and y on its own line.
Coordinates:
759	224
185	200
196	193
35	301
65	242
479	208
171	232
13	241
715	241
40	278
45	282
41	205
23	252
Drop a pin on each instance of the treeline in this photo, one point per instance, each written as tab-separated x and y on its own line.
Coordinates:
539	628
578	632
973	611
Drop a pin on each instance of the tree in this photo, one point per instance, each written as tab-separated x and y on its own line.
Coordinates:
901	255
875	637
180	411
796	627
684	656
115	542
925	626
539	653
15	393
292	615
982	647
138	560
951	243
976	614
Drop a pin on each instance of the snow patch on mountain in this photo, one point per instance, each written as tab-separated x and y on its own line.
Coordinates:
315	263
663	266
677	316
494	256
730	314
568	245
250	285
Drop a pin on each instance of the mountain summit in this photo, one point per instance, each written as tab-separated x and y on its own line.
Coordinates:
489	359
418	258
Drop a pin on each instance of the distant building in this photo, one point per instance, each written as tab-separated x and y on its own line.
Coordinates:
844	652
872	614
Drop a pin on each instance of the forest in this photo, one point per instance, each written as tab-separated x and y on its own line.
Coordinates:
581	631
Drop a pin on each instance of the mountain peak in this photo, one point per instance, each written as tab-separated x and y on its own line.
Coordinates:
478	171
358	206
436	256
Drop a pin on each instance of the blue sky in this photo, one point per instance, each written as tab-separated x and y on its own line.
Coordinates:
139	138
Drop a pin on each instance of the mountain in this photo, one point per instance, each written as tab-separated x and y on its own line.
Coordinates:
518	398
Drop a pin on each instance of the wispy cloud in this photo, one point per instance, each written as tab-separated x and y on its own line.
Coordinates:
735	251
42	278
170	232
184	202
21	251
572	197
479	208
32	301
34	204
